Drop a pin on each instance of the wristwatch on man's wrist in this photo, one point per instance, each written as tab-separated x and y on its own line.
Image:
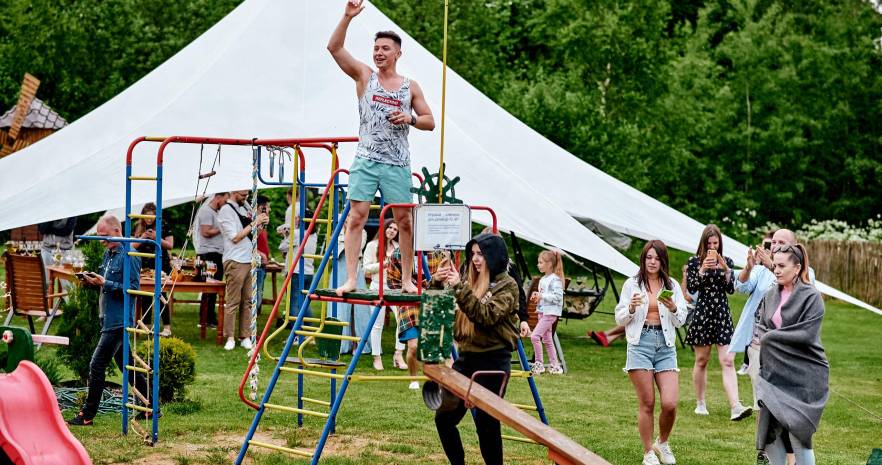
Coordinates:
413	120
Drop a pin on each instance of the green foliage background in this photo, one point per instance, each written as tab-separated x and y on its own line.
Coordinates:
732	111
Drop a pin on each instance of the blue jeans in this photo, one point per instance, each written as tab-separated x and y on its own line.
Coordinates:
109	347
296	295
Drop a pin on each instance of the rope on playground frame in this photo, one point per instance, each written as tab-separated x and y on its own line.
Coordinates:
255	370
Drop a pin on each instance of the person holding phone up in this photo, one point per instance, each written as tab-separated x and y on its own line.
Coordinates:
710	274
651	307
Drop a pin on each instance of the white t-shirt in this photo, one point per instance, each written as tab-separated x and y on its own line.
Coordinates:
231	226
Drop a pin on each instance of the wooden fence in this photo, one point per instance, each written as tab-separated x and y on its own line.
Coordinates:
852	267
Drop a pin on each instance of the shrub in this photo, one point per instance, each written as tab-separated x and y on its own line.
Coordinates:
177	367
79	322
50	365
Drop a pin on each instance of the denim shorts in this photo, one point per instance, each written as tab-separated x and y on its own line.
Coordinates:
410	333
651	353
366	177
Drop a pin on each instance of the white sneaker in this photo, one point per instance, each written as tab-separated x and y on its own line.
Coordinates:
743	370
246	343
700	408
414	385
555	370
649	458
740	412
231	344
537	368
663	449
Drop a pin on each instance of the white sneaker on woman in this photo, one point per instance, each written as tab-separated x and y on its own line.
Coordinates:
740	412
231	344
663	449
649	458
246	343
700	408
414	385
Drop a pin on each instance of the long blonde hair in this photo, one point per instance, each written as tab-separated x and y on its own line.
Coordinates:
479	283
553	257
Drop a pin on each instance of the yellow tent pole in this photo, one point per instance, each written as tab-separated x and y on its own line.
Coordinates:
443	105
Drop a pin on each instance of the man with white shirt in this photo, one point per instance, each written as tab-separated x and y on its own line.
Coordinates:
237	226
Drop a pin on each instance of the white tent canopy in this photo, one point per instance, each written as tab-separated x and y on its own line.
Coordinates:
254	74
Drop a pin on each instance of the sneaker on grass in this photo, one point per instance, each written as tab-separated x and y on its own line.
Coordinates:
231	344
665	454
538	368
701	408
80	420
740	412
246	343
742	370
649	458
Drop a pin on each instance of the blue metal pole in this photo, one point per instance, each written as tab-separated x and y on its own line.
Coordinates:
522	356
127	313
157	304
284	355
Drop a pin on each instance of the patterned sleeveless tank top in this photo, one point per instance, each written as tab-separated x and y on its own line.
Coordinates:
379	140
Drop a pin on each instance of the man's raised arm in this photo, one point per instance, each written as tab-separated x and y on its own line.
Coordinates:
354	68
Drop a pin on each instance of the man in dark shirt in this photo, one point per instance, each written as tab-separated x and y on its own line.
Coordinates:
109	280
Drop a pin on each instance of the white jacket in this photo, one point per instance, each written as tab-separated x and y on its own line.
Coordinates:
634	321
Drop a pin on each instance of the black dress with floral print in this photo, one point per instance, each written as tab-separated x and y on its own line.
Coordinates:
712	318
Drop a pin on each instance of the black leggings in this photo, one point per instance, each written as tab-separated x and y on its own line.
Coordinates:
488	428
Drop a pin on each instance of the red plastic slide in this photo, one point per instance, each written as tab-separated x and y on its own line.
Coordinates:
32	431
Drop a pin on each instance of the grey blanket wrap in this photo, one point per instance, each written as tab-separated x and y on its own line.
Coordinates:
793	385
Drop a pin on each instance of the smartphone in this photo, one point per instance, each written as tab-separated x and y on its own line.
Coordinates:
665	294
767	245
85	274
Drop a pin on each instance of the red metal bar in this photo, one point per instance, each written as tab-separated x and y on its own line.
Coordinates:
132	149
272	316
492	215
249	142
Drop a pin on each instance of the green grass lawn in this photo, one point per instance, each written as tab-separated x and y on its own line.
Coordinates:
594	404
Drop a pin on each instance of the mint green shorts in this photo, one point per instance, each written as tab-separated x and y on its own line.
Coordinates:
366	177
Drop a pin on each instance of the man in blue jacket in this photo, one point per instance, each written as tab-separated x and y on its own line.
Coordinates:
109	280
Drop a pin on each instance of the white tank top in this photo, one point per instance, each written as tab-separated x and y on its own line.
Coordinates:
379	140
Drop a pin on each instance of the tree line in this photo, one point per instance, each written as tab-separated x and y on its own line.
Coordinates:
740	112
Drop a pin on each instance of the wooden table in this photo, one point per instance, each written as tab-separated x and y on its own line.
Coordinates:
58	273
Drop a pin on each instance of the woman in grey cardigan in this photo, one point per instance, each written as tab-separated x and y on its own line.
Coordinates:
792	388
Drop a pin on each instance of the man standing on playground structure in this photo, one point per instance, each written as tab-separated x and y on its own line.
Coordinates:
382	159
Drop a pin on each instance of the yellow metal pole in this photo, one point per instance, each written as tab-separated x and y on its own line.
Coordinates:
443	105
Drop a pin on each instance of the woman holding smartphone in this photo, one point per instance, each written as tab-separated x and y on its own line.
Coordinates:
651	307
710	274
145	228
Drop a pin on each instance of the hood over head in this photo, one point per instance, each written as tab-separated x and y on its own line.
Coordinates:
494	250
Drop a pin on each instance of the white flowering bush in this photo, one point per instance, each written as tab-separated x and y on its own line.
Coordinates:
838	230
